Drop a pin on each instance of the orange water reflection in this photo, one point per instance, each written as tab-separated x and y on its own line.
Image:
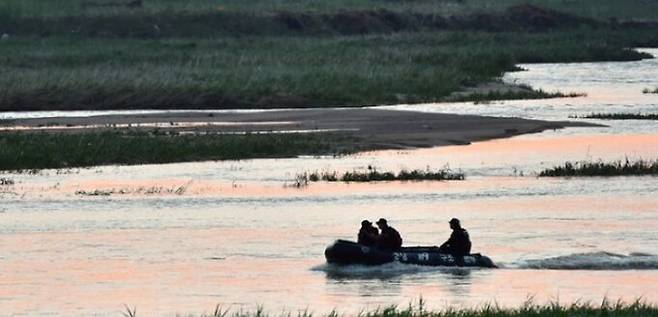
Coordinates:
554	148
251	253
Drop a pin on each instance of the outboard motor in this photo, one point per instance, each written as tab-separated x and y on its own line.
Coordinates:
347	252
484	261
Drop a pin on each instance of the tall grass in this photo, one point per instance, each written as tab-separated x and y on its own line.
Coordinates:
606	308
511	95
21	151
374	175
600	168
269	72
103	54
602	9
619	116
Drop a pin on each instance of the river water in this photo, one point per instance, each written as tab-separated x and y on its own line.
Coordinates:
182	238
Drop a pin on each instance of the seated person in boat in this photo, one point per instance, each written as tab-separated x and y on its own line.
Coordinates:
459	243
368	234
389	238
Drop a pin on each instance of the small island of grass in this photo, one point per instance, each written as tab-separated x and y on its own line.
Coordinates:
600	168
524	92
6	181
650	91
371	174
619	116
25	151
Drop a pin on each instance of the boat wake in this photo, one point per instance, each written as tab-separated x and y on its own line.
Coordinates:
594	261
578	261
385	270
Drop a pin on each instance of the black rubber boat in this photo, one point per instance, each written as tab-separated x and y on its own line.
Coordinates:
348	252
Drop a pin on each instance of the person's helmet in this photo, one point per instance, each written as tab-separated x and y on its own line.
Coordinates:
455	221
365	223
381	221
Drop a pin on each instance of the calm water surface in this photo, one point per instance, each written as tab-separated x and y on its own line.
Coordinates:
182	238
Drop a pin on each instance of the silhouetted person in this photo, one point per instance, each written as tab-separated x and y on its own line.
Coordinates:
368	234
389	238
459	243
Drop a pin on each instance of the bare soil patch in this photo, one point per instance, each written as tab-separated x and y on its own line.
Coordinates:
374	128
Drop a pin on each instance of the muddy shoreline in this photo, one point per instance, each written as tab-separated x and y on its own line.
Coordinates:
374	128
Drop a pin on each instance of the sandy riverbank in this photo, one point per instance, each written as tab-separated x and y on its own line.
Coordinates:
376	128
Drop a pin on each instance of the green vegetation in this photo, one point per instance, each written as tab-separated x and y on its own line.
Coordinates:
510	95
21	151
618	168
619	116
607	309
373	175
604	9
124	54
270	72
650	91
153	190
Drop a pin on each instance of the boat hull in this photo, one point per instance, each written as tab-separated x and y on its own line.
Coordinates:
347	252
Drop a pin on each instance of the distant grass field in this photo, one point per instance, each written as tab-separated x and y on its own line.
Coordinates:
138	54
628	9
27	151
268	72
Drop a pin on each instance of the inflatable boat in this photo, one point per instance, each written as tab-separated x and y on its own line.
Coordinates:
348	252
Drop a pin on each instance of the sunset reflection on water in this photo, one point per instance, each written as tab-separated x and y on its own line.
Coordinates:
182	238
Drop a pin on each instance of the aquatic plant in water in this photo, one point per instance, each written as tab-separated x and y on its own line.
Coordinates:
650	91
618	116
529	93
373	175
600	168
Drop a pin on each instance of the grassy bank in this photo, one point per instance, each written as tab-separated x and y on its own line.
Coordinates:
346	21
105	54
619	116
618	309
588	168
270	72
373	175
604	9
22	151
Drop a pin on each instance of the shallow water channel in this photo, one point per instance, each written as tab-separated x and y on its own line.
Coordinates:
182	238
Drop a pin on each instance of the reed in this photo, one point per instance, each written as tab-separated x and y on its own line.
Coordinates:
650	91
29	151
600	168
619	116
637	308
600	9
272	72
371	174
512	95
106	54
